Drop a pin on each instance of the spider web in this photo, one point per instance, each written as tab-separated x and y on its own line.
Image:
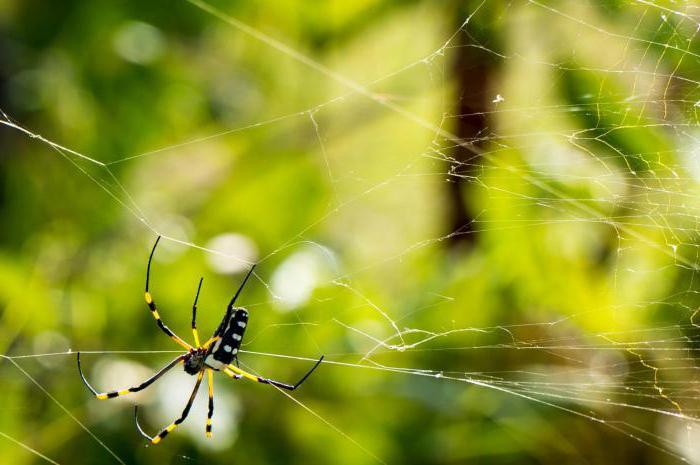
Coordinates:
571	290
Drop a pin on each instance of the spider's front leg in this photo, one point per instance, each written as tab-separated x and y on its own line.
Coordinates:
152	305
195	333
230	309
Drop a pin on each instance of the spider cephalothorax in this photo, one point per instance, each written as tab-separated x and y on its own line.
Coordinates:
194	361
216	354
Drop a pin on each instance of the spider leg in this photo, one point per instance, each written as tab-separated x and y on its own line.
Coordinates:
229	311
165	431
144	385
236	372
210	413
194	314
152	305
232	374
210	342
230	308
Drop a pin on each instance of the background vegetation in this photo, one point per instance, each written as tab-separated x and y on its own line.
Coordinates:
512	187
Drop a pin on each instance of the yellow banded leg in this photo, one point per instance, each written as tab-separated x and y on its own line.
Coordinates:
210	342
232	374
195	333
152	305
165	431
196	337
210	413
121	392
113	394
154	311
236	372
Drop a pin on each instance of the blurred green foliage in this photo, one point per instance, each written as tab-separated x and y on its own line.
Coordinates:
587	222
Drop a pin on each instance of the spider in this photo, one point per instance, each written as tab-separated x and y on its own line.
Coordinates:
216	354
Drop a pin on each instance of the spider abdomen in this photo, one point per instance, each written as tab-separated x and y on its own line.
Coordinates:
226	348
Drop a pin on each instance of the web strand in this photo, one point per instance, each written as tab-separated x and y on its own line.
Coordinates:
644	199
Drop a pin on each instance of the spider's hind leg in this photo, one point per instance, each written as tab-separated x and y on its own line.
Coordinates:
210	412
238	373
165	431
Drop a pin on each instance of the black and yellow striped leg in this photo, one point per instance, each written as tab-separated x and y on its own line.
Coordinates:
236	372
121	392
210	413
165	431
231	305
152	305
210	342
194	315
232	374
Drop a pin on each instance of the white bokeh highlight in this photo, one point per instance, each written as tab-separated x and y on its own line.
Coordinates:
172	395
295	279
234	253
139	42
